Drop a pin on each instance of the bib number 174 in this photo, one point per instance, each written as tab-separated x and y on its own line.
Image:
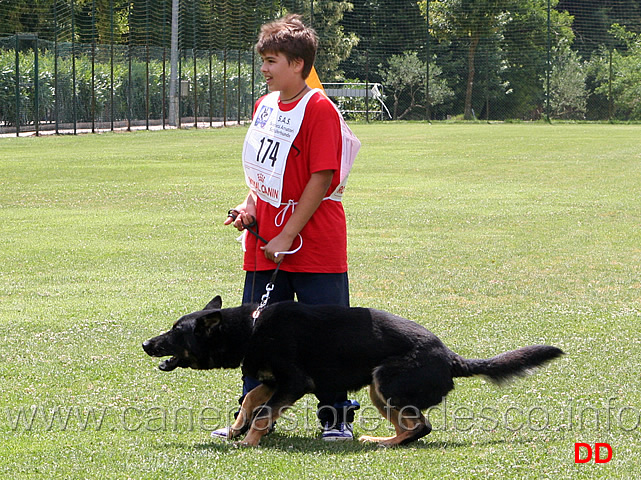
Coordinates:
268	151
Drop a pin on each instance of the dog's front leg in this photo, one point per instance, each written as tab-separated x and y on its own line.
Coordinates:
261	424
268	414
251	404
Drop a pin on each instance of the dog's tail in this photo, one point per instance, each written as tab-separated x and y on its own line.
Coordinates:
506	366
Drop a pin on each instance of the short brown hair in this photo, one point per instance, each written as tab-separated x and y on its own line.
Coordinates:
289	35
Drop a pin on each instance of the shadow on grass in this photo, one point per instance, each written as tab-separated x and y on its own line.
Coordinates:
292	444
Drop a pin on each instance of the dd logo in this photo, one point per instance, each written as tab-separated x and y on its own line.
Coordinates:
583	453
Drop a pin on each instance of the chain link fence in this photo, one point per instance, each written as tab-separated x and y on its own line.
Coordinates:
70	65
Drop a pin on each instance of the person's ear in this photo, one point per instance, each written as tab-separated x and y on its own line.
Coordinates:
298	64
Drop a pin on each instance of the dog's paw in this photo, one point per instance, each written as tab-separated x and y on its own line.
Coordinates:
383	442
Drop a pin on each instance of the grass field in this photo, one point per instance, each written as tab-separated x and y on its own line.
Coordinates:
492	236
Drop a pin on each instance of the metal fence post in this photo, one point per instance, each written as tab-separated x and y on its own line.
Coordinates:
225	85
179	92
238	89
164	87
147	87
193	16
129	87
36	89
610	78
549	66
56	98
174	75
147	65
73	68
427	61
93	66
211	97
195	88
17	85
111	64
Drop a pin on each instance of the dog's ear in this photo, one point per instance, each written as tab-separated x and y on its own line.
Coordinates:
215	304
208	322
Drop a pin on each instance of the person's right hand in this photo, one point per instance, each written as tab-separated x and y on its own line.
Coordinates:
243	217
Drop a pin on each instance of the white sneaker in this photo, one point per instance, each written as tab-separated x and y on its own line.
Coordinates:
342	432
221	433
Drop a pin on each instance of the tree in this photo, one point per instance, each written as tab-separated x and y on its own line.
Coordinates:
568	93
593	18
383	28
525	52
404	73
508	32
335	45
624	88
470	19
405	76
18	16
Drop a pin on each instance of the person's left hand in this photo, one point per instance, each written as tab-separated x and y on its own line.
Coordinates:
280	243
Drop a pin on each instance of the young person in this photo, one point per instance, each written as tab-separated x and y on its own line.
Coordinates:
296	156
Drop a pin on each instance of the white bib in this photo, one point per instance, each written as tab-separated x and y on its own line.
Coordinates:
269	140
350	148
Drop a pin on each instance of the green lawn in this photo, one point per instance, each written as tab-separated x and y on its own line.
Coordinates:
492	236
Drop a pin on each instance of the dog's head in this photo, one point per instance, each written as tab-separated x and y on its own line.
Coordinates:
201	340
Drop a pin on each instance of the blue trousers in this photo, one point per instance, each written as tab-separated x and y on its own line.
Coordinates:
311	289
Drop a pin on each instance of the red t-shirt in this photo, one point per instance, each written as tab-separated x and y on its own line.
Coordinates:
317	147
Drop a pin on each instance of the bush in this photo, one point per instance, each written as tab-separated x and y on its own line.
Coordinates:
568	92
626	84
405	76
94	100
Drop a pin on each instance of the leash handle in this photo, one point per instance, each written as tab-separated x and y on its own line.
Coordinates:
233	214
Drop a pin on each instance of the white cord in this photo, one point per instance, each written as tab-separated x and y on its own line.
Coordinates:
290	252
279	219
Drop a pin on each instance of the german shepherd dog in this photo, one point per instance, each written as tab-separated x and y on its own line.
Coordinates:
295	349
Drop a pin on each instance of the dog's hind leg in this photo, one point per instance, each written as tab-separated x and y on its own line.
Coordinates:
252	403
410	424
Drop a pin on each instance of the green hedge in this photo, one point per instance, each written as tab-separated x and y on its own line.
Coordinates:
102	85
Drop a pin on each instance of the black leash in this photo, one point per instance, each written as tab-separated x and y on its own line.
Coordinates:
233	214
270	285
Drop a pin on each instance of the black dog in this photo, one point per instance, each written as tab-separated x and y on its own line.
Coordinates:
294	349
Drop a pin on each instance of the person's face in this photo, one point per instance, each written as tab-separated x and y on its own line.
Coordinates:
281	74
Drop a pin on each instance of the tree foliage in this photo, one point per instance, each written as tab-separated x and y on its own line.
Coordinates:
335	45
593	19
383	28
469	19
495	54
624	88
505	26
405	75
568	92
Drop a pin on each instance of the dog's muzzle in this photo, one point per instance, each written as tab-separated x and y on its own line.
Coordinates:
166	365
